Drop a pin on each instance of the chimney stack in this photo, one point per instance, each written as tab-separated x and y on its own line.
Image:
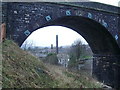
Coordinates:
57	44
51	46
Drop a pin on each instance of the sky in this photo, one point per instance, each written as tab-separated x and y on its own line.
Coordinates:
110	2
47	35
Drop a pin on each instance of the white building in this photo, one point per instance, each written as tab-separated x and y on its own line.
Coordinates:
63	59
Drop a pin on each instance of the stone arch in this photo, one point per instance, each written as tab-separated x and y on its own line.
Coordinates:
98	37
101	42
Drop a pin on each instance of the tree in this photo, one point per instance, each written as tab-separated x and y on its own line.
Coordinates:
77	52
51	58
27	45
77	48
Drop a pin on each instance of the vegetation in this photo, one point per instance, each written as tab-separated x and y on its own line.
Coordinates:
51	58
68	79
21	70
78	52
0	65
83	80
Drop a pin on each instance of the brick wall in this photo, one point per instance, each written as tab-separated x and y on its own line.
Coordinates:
2	32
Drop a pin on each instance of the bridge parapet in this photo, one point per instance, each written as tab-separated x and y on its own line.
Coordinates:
22	18
94	6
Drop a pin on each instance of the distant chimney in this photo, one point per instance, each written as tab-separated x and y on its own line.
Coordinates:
57	44
51	46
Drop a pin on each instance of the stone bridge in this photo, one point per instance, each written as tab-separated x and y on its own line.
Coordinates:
97	23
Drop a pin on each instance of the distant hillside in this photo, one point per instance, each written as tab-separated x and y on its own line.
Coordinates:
21	69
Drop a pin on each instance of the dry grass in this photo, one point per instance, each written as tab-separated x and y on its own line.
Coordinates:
69	79
22	70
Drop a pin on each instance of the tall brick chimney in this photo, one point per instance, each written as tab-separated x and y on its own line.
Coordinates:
57	44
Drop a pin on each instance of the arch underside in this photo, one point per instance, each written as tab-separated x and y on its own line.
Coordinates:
97	36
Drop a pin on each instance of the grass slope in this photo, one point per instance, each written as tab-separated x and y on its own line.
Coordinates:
68	79
21	69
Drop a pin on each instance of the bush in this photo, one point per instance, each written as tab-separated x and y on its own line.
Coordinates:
51	58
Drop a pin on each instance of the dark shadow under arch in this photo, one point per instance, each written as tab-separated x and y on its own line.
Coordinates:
98	37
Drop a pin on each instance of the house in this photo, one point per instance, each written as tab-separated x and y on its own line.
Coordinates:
63	59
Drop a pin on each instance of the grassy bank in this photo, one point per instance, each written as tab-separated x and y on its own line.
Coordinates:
20	69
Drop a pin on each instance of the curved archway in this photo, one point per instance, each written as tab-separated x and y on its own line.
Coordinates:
45	36
100	41
103	45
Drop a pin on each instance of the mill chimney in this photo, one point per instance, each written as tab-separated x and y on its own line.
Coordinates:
57	44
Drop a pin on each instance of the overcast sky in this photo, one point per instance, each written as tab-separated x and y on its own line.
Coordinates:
47	35
110	2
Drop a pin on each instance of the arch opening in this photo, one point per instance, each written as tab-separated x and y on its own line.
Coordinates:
98	37
71	47
46	36
100	41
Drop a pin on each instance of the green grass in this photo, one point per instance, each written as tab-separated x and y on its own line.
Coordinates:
20	69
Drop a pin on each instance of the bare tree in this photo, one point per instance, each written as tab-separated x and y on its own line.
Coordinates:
78	51
77	46
27	44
